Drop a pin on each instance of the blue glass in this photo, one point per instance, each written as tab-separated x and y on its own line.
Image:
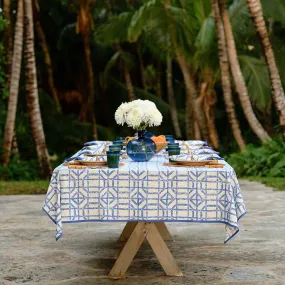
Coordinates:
147	134
113	159
142	148
169	138
118	143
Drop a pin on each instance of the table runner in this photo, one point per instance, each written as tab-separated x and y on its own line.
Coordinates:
145	191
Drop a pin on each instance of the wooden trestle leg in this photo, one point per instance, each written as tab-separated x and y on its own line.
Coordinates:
149	231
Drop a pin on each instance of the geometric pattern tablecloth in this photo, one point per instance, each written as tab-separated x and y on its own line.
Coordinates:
145	191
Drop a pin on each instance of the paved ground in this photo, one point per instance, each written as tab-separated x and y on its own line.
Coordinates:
87	251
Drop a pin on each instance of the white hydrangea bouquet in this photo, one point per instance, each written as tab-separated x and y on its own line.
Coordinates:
138	114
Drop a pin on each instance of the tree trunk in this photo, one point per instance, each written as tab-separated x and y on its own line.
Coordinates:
90	83
255	9
238	77
129	83
208	99
189	117
14	85
188	79
197	131
225	76
47	59
171	99
8	37
32	93
192	92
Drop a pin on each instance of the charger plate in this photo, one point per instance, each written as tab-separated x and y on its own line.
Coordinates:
194	162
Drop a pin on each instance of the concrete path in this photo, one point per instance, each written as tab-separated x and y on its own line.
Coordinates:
87	251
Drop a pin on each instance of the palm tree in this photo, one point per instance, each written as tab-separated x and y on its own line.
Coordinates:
32	93
171	98
255	9
129	83
47	59
238	77
8	37
208	99
14	84
125	60
188	77
225	76
84	26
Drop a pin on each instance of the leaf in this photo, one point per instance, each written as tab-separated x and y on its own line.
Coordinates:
115	29
274	9
206	35
256	75
148	11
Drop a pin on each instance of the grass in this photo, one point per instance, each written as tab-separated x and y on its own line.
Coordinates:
275	182
23	187
41	186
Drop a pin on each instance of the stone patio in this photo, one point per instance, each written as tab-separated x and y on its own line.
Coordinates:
86	252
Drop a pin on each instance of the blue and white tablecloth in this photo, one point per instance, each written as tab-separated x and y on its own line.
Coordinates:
145	191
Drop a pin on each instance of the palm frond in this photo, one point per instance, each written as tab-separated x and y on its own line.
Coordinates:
206	35
256	75
274	9
148	11
115	29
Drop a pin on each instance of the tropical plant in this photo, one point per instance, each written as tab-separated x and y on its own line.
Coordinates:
43	43
14	84
32	93
8	36
255	9
238	77
264	161
225	76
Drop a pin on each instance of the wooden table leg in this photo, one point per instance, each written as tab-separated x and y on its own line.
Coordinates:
130	226
163	230
163	253
150	232
127	231
129	251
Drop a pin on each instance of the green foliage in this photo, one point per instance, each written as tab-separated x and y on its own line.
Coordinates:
20	170
143	30
256	76
267	160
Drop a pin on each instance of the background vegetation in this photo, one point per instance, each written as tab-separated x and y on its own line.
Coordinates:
92	55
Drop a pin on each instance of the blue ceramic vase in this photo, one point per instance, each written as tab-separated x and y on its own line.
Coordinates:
142	148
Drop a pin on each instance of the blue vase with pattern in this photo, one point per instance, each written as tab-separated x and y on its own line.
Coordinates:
142	148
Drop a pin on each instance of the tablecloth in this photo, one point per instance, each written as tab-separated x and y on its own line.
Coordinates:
145	191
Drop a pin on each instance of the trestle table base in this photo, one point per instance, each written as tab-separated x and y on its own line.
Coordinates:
141	231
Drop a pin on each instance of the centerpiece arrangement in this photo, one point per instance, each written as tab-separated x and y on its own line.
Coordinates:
139	115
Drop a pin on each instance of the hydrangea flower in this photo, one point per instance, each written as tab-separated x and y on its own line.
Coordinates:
138	114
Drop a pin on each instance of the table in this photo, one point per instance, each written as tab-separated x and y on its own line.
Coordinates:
145	195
